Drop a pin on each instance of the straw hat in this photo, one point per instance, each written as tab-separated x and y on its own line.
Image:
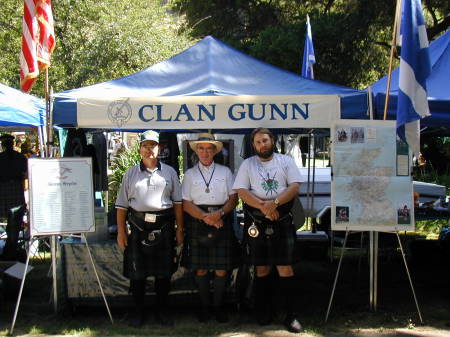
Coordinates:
206	138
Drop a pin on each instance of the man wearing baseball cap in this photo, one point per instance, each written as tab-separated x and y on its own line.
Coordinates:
149	199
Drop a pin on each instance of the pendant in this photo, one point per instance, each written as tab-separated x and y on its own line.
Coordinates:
253	231
269	231
207	190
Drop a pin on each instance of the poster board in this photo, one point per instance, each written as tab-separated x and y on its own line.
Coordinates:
371	188
61	196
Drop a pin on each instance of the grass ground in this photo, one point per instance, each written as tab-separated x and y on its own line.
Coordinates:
396	313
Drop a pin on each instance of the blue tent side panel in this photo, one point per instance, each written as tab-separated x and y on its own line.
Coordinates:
209	67
20	109
438	84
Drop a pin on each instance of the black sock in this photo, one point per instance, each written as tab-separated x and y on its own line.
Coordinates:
220	283
289	289
263	292
162	288
137	288
203	289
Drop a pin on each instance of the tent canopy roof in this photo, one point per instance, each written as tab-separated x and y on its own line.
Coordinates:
210	67
19	109
438	84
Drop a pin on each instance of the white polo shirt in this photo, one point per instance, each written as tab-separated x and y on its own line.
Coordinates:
217	179
267	179
147	190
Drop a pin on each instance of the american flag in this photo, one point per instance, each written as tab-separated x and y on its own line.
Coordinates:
38	40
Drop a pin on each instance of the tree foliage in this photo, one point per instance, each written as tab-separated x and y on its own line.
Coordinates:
351	37
97	40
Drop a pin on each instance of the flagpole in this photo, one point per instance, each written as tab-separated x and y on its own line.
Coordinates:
391	57
47	114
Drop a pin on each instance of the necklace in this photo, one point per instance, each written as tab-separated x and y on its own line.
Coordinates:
207	190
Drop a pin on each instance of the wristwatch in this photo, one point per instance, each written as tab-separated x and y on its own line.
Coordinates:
276	202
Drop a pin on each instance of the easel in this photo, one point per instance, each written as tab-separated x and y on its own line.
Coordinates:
373	253
68	185
55	296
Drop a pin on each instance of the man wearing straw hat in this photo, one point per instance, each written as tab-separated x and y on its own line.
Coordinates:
150	200
208	200
267	183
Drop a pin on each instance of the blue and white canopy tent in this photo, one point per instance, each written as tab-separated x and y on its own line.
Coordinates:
208	86
438	84
19	110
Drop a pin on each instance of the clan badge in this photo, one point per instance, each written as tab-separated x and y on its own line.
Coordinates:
119	112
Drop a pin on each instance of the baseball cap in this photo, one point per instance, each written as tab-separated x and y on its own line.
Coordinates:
149	135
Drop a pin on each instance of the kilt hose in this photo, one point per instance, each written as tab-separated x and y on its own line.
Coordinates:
274	244
143	258
224	254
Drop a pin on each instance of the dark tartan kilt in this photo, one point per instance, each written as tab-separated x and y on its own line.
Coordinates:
141	261
224	255
11	195
270	250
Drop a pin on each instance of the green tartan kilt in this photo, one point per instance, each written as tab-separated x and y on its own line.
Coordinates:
223	255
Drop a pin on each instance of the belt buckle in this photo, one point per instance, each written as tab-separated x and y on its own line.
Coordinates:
152	235
150	217
212	209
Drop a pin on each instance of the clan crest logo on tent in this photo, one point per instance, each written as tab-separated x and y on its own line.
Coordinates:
119	112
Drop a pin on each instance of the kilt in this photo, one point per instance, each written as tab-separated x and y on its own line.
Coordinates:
223	255
141	259
11	195
267	249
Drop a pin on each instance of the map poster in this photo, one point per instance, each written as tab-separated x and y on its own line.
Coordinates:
61	196
371	186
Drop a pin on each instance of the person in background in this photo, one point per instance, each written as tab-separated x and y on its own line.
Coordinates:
13	172
149	198
267	183
208	200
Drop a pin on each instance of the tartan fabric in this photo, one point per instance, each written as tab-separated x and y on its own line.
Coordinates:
223	256
11	195
273	250
140	261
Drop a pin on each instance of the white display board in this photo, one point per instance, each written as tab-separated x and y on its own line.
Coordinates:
372	188
61	196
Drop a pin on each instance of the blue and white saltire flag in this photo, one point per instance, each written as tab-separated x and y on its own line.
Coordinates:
308	53
414	69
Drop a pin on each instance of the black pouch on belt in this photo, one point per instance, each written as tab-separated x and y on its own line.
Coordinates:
208	236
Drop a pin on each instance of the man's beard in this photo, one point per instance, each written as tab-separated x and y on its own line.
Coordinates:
265	154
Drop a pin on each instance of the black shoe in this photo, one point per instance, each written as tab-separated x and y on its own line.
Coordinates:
136	320
221	315
203	315
163	318
292	324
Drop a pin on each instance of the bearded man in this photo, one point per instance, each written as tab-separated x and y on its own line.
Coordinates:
268	183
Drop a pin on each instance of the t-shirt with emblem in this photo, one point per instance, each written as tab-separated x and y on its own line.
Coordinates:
267	179
147	190
208	185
